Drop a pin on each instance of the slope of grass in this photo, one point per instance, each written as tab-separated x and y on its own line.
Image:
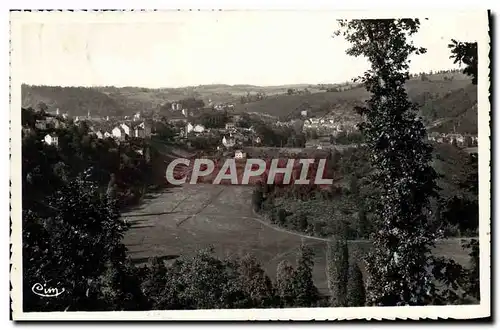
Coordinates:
453	97
76	101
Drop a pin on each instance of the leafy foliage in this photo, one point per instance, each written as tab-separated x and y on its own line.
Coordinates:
356	295
337	268
401	160
75	239
305	293
465	53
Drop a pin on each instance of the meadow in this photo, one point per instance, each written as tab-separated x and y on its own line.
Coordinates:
184	219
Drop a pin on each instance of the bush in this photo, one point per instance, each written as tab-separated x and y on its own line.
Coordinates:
355	287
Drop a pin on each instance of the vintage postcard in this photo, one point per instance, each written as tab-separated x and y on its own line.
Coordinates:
250	165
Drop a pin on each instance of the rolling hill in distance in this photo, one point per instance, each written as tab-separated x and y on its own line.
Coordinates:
447	101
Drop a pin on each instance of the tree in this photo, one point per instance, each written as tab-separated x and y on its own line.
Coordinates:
256	283
71	244
472	287
281	216
398	264
354	185
112	188
284	283
192	103
465	53
364	226
257	198
337	268
305	293
42	107
355	287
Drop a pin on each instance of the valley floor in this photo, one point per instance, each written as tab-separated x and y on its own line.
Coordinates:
182	220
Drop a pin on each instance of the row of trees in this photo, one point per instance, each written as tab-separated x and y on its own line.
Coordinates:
295	91
252	97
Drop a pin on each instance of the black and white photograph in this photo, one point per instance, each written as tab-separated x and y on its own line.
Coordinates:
250	165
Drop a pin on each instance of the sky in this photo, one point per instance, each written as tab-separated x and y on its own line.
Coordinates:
174	49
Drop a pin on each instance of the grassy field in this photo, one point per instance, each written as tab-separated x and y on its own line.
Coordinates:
185	219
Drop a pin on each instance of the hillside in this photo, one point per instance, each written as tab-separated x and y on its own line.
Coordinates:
76	101
447	101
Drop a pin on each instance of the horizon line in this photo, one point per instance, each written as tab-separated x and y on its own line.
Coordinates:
221	84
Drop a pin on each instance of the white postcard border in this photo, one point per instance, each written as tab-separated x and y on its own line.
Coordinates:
432	312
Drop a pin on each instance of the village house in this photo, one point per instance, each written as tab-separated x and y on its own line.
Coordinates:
199	128
230	126
176	106
119	133
51	139
238	154
139	132
228	142
126	128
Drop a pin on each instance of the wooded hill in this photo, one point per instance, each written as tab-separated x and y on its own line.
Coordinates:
448	101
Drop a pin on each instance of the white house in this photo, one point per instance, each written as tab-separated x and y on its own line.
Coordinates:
460	139
176	106
199	129
229	142
139	132
107	134
99	134
137	116
230	126
119	133
303	113
126	129
51	140
189	128
238	154
258	140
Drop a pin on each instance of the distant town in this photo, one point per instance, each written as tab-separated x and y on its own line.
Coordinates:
235	132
